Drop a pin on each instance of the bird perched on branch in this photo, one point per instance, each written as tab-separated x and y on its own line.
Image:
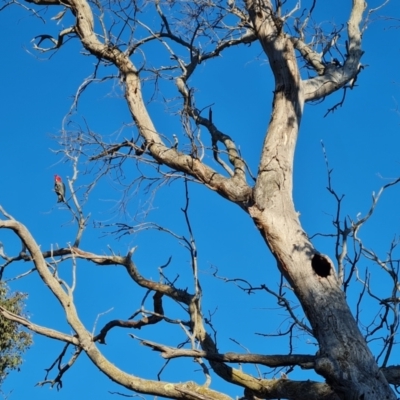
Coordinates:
59	188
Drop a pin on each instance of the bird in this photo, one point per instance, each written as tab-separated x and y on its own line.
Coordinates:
59	188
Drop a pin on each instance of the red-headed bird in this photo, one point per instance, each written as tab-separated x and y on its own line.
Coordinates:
59	188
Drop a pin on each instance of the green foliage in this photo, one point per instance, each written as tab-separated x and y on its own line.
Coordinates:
13	340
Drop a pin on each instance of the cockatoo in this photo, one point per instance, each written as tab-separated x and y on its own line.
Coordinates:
59	188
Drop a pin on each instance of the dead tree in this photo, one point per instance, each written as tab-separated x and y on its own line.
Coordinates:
191	33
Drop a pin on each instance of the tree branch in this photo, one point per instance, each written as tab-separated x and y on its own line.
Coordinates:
51	333
336	76
272	361
84	337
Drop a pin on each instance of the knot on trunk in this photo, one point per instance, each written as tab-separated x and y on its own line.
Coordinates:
326	367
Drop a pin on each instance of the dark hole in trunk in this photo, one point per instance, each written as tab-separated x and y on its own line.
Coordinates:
321	265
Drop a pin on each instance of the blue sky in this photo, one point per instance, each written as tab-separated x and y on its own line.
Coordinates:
361	138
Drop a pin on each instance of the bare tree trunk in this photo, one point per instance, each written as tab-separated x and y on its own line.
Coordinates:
344	358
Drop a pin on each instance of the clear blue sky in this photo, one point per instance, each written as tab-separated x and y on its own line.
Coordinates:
362	140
